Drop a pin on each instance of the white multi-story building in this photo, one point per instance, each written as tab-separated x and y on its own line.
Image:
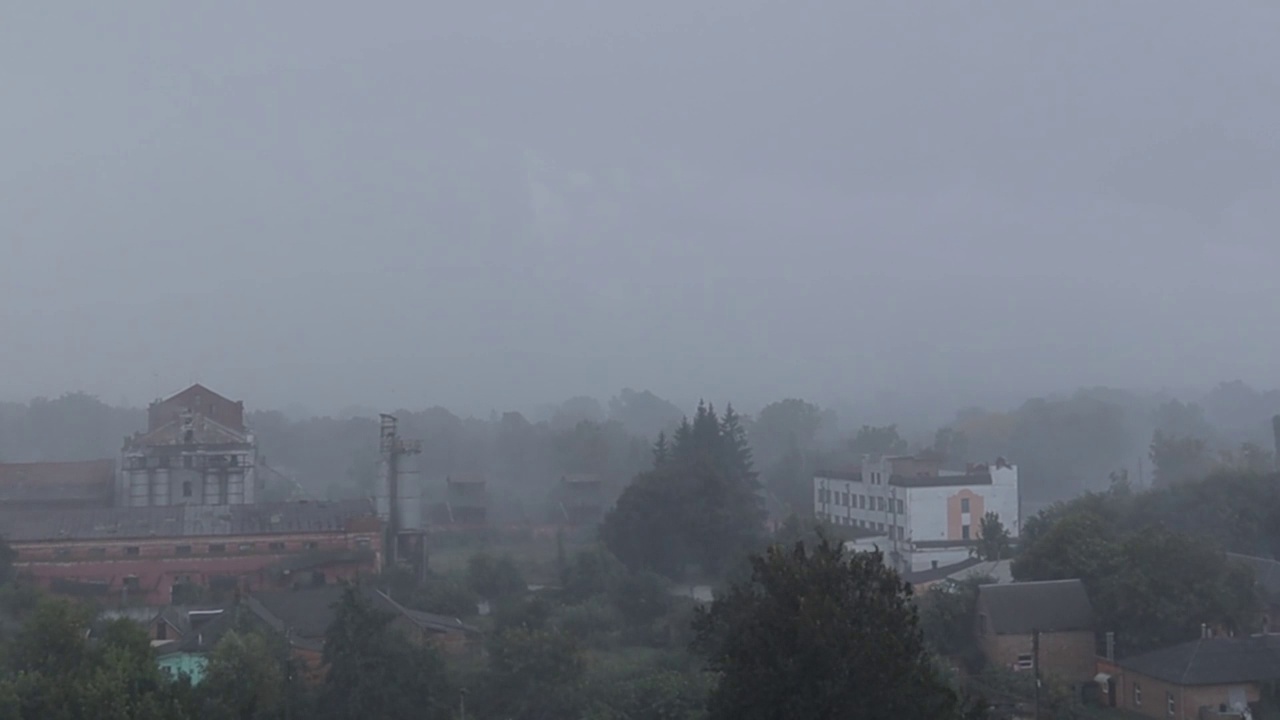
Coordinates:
918	514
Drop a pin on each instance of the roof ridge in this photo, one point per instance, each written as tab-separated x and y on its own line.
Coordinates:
1191	661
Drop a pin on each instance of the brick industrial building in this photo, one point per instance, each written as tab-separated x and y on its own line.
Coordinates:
142	553
180	509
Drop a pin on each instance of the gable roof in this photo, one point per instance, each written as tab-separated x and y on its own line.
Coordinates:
308	612
932	574
1266	573
1047	606
1211	661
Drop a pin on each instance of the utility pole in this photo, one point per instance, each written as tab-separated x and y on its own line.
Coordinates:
462	704
1035	667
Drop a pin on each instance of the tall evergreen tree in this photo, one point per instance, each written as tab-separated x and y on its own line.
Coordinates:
661	452
734	448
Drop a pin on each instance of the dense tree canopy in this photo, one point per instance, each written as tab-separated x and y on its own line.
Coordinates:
1153	572
699	506
818	633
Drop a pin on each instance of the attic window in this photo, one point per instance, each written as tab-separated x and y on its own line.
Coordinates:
1024	662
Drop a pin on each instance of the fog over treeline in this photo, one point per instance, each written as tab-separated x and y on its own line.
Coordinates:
491	206
1064	444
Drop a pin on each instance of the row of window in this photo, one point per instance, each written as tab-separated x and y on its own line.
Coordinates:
212	548
861	502
899	530
189	462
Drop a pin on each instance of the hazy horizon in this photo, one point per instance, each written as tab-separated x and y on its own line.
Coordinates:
325	205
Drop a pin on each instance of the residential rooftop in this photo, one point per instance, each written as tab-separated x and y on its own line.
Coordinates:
1048	606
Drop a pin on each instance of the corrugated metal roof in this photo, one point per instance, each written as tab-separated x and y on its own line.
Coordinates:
180	521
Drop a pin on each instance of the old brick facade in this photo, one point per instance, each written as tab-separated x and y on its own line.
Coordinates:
140	554
1071	656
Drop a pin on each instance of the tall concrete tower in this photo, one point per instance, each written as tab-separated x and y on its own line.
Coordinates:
397	497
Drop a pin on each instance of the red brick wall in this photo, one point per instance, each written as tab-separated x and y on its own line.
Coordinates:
157	566
210	404
1187	701
1072	656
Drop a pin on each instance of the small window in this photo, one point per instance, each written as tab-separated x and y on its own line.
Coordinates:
862	502
1168	697
186	487
182	550
162	630
246	547
901	533
276	546
964	505
362	543
880	502
1024	662
97	552
217	548
132	551
900	511
1137	695
934	564
131	582
964	532
62	552
311	545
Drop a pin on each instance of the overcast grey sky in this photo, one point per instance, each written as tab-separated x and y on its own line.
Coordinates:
409	203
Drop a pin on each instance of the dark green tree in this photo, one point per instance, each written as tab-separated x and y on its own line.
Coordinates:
534	675
820	634
661	452
877	441
495	578
246	679
947	618
994	540
372	671
1179	459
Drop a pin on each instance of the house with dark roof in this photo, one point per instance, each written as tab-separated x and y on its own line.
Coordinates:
1214	677
304	616
1009	616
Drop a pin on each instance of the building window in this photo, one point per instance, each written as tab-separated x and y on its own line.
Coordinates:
901	534
182	550
162	630
1137	695
1024	662
362	543
246	547
217	548
311	545
132	550
1168	697
964	505
97	552
964	532
186	488
862	502
131	582
277	546
900	507
62	552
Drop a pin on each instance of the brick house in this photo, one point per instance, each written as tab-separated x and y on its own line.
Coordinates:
1212	676
1008	616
